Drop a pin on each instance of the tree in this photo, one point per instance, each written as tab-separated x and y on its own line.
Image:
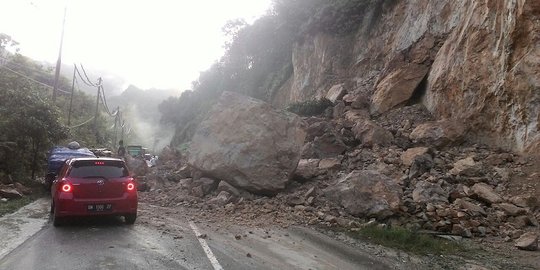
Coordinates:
30	123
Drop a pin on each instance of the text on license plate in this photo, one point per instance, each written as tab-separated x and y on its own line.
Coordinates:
99	207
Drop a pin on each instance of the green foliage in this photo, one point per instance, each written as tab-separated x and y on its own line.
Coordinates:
409	241
310	107
258	59
30	125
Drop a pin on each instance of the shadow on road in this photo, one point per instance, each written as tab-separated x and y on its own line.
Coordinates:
97	221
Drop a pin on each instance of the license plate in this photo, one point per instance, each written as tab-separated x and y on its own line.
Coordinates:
99	207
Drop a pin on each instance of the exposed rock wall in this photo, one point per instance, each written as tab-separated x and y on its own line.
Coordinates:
474	60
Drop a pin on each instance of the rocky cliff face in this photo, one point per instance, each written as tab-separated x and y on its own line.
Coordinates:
475	61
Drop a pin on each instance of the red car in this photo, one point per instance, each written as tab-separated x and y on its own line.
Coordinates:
94	187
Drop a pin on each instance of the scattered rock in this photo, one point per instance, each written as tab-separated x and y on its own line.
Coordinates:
224	186
421	164
307	169
466	167
184	172
207	184
511	209
485	193
328	164
429	192
221	199
371	134
471	208
527	241
408	157
10	193
22	189
366	193
439	133
328	145
336	92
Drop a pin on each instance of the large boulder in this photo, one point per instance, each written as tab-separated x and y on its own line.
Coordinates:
366	193
248	144
397	87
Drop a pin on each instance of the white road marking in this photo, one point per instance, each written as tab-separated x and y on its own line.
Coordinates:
206	248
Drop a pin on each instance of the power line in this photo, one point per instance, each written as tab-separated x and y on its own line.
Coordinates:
33	80
82	78
83	123
11	62
84	71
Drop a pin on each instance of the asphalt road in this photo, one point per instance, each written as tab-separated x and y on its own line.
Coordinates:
168	243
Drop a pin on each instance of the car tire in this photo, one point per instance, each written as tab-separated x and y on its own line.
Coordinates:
130	219
56	220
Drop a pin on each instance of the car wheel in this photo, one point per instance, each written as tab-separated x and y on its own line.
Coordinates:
130	219
57	221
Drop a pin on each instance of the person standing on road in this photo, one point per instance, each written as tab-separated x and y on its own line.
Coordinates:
121	149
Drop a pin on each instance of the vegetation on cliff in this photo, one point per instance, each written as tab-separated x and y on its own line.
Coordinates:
30	122
258	59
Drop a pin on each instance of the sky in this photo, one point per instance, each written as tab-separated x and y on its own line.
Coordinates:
149	43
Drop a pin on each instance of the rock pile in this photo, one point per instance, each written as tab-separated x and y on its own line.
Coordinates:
13	190
401	168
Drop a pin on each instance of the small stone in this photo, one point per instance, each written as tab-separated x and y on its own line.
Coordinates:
248	255
237	237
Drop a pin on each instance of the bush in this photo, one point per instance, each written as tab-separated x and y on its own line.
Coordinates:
310	107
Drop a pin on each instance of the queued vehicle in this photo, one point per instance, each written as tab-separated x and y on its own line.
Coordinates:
58	155
94	187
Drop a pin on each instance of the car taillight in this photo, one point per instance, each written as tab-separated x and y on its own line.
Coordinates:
66	187
130	186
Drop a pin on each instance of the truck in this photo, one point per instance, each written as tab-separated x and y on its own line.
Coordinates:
56	158
136	150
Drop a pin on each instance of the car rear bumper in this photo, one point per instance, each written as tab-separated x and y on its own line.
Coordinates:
66	205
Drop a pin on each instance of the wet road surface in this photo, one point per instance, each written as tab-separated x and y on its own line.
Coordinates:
107	243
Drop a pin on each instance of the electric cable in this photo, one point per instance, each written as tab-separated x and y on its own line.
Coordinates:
33	80
83	123
83	79
84	71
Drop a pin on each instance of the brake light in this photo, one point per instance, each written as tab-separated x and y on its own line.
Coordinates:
66	187
130	186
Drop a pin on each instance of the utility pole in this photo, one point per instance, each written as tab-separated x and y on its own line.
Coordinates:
72	92
97	110
116	121
59	61
122	134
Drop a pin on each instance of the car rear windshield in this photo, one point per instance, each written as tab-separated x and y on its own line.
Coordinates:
98	168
